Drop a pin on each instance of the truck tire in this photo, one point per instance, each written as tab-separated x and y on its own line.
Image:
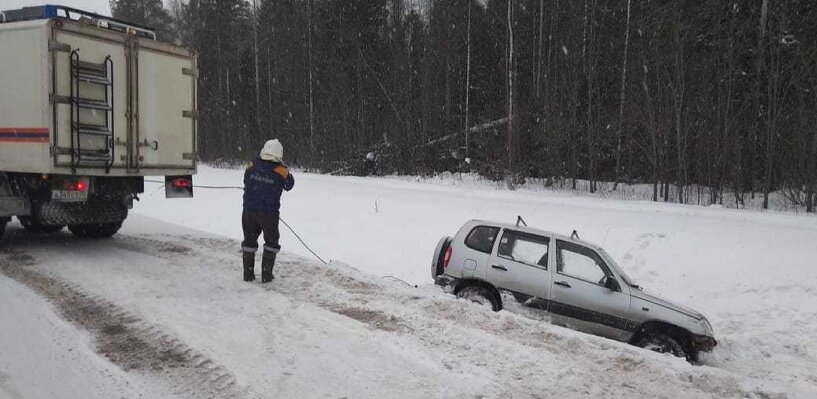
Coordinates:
96	230
480	295
3	223
35	228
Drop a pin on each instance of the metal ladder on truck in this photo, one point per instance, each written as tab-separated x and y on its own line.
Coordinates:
92	143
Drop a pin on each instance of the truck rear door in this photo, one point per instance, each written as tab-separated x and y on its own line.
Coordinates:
89	96
165	94
122	101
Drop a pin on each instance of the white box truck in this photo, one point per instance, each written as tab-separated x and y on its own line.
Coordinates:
89	106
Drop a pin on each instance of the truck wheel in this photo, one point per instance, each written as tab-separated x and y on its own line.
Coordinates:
661	343
33	227
481	295
96	230
3	223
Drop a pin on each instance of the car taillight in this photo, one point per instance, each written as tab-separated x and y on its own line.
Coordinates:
182	182
447	258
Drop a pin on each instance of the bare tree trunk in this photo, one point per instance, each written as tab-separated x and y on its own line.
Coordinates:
361	104
588	54
468	88
538	80
678	97
811	177
511	137
761	45
270	91
622	97
547	121
256	22
775	94
737	140
653	131
311	90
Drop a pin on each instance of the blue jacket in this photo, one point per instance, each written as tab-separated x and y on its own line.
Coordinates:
264	182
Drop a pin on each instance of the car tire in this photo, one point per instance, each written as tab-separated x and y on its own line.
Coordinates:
97	230
481	295
35	228
662	343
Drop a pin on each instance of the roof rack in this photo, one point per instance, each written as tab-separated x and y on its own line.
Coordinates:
62	12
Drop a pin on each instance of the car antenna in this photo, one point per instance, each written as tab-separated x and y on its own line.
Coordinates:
521	221
575	235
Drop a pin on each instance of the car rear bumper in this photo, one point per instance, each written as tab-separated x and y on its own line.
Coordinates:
703	343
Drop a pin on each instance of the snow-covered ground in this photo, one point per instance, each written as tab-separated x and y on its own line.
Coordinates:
333	331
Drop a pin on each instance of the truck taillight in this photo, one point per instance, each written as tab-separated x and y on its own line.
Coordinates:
183	182
79	185
179	186
447	258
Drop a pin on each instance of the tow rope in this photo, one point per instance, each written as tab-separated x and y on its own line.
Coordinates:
285	224
282	219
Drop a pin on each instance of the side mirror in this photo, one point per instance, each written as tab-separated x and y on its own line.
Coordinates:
612	284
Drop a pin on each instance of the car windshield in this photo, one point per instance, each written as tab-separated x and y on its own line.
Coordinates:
612	262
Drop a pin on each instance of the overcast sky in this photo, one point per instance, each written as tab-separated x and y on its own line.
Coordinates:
97	6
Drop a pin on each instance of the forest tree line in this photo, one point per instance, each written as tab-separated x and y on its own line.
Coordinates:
678	94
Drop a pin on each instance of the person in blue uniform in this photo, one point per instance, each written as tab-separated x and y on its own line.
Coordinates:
265	179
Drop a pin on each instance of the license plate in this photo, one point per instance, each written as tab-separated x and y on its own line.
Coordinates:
69	196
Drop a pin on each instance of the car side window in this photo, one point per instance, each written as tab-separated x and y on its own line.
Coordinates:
524	248
481	238
580	262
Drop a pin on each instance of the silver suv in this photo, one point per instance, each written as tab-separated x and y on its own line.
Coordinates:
576	283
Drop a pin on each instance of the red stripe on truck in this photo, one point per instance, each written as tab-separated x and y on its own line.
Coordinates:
24	135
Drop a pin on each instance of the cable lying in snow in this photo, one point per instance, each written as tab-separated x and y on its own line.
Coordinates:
242	188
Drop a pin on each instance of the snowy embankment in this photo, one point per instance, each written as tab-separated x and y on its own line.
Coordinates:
165	305
753	274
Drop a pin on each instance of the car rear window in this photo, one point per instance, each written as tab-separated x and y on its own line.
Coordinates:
481	238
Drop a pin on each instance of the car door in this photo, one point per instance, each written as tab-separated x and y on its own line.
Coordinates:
579	298
520	265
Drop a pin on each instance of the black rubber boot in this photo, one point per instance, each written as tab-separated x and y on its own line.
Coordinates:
249	266
267	263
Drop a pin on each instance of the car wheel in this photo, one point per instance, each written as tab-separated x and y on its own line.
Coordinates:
35	228
661	343
480	295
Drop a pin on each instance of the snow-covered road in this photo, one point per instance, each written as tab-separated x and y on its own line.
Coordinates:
160	311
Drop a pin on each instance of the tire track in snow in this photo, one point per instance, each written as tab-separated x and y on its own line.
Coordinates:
168	250
124	338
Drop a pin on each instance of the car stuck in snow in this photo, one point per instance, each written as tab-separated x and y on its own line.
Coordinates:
576	283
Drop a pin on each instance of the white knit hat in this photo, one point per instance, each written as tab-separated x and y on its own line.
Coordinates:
273	151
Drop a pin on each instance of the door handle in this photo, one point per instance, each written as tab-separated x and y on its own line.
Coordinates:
500	268
563	284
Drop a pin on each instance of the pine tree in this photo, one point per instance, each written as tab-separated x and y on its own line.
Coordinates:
149	13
